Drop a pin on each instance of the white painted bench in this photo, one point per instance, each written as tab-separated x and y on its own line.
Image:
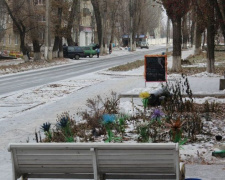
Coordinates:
95	160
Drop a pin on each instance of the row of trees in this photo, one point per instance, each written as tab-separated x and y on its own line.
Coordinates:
114	18
111	19
205	15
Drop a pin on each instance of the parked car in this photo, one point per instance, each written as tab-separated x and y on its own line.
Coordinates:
93	45
73	52
89	51
144	45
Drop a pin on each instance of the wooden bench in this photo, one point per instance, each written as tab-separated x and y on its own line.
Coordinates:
95	160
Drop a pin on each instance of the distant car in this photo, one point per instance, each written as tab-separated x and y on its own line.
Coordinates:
144	45
73	52
89	51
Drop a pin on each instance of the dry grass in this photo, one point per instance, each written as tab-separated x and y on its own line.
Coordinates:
201	58
132	65
31	65
128	66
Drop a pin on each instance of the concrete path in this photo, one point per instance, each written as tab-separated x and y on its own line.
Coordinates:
205	172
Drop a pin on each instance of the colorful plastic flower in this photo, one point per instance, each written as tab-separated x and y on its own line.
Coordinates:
144	95
157	113
46	127
63	122
108	118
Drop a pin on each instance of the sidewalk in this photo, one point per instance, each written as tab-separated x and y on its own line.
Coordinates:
205	172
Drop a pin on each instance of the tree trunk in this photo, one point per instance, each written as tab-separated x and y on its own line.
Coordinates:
58	35
167	35
210	39
55	47
220	17
37	50
176	66
198	39
198	35
60	48
98	19
21	28
185	32
112	31
204	39
70	23
22	46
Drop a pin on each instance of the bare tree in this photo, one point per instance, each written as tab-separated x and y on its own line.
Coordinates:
98	18
57	6
176	9
72	13
2	20
210	36
185	31
17	12
35	24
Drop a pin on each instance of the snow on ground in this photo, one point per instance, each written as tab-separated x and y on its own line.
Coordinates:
12	105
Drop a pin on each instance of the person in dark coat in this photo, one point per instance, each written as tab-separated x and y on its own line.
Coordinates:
97	48
110	47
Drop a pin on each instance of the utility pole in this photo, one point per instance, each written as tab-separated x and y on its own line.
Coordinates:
48	50
131	25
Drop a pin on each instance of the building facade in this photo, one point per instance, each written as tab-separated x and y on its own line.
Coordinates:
9	36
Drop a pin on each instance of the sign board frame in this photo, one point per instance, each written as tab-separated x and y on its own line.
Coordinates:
148	68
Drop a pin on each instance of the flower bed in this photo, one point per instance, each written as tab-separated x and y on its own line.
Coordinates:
175	119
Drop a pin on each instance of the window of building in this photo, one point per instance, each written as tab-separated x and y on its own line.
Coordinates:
41	1
16	40
3	39
42	35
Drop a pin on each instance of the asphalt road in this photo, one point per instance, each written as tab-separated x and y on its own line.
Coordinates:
20	81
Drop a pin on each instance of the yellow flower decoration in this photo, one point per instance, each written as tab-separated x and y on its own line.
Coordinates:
144	95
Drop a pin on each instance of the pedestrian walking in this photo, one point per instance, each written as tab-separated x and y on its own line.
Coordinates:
97	50
110	47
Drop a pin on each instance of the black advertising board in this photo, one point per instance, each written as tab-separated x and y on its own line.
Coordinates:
155	68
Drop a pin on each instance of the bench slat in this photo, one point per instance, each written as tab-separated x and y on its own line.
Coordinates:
134	152
136	157
89	166
137	162
161	170
141	176
38	161
55	166
62	176
52	152
56	170
54	157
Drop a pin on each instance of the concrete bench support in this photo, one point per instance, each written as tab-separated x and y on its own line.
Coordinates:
222	84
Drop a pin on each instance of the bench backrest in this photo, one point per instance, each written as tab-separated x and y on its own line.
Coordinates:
94	158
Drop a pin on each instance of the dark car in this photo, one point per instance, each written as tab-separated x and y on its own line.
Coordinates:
89	51
73	52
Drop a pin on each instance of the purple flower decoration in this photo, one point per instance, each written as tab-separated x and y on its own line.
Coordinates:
157	114
108	118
